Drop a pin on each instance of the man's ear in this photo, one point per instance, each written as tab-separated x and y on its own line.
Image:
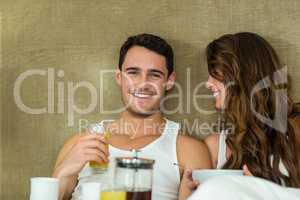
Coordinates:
118	76
171	81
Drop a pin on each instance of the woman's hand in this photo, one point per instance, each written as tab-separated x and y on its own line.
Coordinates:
192	184
246	171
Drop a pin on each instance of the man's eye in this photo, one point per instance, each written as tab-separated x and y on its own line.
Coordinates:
131	72
156	75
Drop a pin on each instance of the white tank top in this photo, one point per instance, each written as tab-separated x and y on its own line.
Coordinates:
222	150
166	176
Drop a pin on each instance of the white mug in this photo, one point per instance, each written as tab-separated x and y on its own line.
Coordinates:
44	188
91	191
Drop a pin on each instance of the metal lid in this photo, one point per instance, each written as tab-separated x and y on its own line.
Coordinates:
134	163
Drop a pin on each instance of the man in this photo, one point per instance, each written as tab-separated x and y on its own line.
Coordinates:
145	74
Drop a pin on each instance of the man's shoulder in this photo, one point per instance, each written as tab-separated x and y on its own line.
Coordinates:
172	124
69	142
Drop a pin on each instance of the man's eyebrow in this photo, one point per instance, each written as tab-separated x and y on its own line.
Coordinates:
132	68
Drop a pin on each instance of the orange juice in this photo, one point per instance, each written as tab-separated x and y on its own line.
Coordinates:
113	195
103	165
96	165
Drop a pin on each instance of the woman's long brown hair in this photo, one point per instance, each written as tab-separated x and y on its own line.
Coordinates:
244	61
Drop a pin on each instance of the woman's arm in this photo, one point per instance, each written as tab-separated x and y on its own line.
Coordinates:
212	142
192	154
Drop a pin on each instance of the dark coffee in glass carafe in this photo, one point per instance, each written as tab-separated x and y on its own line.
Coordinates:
135	176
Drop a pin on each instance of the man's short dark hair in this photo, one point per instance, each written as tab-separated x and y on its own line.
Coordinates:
151	42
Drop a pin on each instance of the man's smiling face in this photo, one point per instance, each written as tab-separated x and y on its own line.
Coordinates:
143	80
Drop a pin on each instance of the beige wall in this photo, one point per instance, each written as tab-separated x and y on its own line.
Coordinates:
81	37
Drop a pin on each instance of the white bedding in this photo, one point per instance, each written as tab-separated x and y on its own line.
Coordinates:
243	188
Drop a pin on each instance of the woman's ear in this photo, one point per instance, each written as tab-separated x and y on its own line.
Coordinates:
171	81
118	76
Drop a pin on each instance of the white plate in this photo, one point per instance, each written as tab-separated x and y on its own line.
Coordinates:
205	174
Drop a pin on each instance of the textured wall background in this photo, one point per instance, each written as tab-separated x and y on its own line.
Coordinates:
81	37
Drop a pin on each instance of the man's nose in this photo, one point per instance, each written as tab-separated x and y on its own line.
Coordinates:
144	79
146	83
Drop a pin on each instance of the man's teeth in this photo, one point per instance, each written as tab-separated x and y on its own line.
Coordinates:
141	95
216	94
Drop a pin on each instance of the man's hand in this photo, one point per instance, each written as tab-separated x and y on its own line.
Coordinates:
85	148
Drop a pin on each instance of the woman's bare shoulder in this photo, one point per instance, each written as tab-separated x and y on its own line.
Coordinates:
212	139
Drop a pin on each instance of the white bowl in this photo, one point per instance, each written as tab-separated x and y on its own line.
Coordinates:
205	174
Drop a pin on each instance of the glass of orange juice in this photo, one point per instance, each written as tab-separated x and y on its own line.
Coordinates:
113	194
111	189
99	128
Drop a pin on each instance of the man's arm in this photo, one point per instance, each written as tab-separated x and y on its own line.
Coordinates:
76	152
66	184
192	154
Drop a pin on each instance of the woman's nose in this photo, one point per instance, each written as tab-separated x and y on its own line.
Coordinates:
209	83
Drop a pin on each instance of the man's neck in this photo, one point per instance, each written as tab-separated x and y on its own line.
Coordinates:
139	125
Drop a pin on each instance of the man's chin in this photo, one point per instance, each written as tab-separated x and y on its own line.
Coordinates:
142	113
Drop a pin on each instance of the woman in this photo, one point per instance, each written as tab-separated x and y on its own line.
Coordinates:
261	125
